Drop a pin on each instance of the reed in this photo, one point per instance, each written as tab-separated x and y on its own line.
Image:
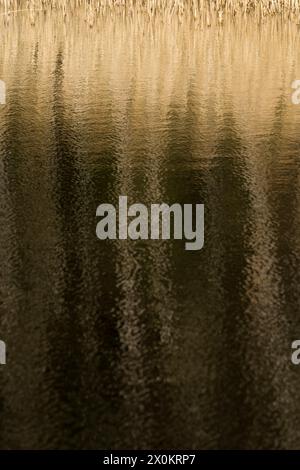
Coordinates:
217	9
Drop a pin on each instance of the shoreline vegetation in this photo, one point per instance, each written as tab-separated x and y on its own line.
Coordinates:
206	12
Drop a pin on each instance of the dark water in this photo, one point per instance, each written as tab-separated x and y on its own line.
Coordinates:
143	344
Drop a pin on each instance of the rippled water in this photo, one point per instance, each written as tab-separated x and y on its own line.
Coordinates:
143	344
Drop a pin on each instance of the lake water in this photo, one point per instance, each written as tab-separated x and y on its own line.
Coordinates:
143	344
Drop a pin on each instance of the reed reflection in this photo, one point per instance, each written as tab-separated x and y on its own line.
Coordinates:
141	344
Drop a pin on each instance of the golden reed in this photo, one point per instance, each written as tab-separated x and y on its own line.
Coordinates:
207	10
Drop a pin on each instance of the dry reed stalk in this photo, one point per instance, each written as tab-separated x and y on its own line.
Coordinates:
179	8
205	13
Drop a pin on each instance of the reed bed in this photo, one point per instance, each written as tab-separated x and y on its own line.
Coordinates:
207	9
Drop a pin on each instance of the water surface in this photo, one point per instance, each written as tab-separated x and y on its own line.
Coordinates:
143	344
